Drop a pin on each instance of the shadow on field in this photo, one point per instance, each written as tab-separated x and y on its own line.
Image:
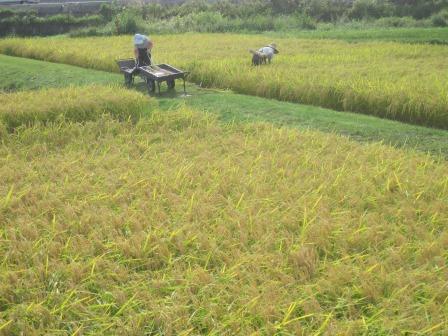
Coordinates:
165	92
169	99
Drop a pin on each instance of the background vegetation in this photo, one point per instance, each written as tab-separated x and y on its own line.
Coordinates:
233	16
277	15
26	23
259	16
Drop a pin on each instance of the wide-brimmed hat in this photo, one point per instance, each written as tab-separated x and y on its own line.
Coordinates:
141	41
273	46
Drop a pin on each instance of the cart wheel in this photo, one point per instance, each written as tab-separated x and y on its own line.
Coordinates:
151	84
171	84
128	79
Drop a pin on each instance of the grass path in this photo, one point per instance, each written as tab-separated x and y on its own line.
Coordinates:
23	74
362	128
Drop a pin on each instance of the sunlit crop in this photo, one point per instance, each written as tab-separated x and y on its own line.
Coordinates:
178	225
72	103
397	81
119	219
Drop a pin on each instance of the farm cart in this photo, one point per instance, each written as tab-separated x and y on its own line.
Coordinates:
152	74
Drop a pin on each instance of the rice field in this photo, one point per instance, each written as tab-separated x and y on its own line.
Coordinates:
398	81
118	218
25	108
176	224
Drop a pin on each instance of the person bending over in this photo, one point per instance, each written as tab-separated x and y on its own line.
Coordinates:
270	50
142	50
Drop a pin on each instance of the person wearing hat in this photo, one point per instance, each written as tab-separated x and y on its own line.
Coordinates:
270	50
142	50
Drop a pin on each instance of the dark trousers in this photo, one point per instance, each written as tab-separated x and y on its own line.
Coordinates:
144	57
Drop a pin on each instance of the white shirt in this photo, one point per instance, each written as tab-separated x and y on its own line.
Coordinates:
267	51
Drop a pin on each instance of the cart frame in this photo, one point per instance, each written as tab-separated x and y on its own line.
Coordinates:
153	75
